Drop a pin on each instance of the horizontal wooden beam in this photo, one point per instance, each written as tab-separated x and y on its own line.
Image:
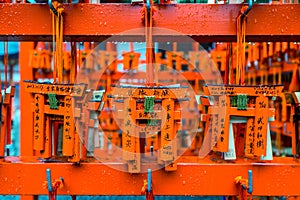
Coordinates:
204	177
122	22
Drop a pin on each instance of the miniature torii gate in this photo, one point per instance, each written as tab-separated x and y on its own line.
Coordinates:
242	104
55	102
141	110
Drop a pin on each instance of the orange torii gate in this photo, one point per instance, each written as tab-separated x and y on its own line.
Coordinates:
157	123
55	102
241	104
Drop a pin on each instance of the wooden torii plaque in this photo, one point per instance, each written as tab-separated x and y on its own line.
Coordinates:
241	104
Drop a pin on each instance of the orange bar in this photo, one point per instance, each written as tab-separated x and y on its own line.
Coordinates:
87	21
26	118
27	197
86	180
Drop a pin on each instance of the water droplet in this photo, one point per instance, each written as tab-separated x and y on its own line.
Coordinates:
183	182
282	30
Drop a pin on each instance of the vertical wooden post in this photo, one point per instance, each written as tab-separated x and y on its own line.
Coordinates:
26	141
26	145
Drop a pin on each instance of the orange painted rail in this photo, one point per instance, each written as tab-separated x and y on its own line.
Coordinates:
96	22
278	178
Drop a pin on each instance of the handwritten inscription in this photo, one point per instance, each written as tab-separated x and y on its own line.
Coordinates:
260	127
158	93
68	119
58	89
129	132
167	131
250	137
37	118
38	126
251	91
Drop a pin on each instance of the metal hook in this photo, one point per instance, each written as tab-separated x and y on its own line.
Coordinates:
49	180
248	9
52	7
48	173
149	180
250	182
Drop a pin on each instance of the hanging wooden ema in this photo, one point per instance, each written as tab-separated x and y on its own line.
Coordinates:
59	103
248	105
252	110
149	110
54	103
